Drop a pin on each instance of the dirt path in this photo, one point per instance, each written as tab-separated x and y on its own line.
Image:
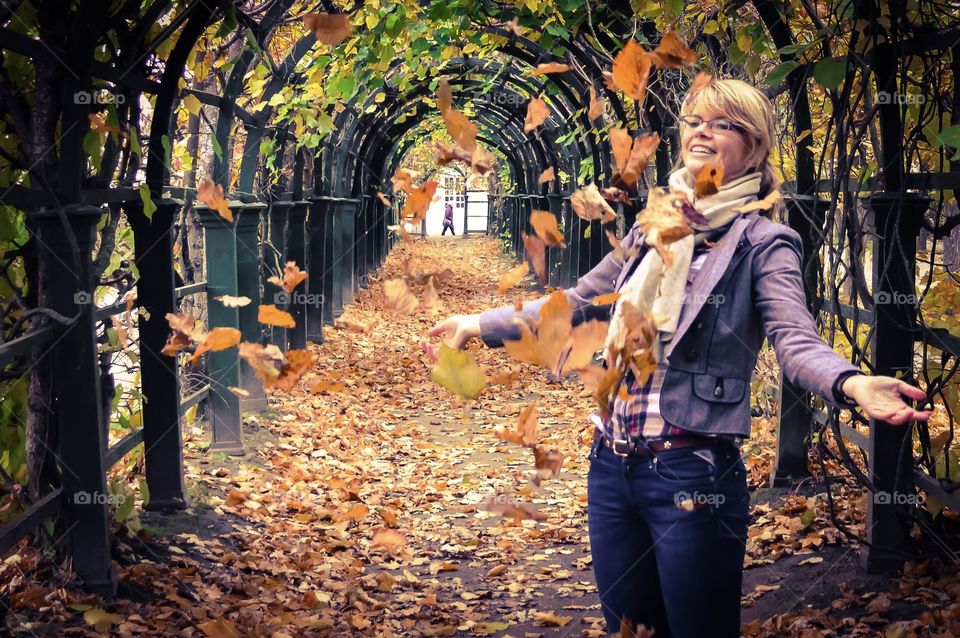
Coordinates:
357	510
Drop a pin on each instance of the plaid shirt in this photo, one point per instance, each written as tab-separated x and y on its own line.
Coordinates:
639	414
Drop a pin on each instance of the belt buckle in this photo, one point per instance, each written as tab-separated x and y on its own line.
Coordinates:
621	447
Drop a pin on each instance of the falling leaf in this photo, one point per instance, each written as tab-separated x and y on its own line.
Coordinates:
546	176
400	230
292	277
603	300
537	114
595	109
98	124
481	161
512	508
514	26
431	300
460	128
270	315
614	194
457	371
230	301
672	52
512	277
662	221
326	386
418	202
547	462
388	539
212	195
185	332
350	325
589	205
386	200
702	80
240	392
536	251
525	433
328	28
631	70
399	298
708	181
447	153
631	155
553	343
266	361
545	225
772	199
216	340
101	619
403	179
550	67
295	364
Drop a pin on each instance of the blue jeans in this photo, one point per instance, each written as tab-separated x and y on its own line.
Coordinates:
668	535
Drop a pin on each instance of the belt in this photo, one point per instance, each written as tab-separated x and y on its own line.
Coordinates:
623	447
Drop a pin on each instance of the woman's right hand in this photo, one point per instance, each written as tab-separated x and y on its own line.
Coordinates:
456	331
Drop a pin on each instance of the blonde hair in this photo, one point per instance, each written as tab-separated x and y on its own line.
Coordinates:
749	108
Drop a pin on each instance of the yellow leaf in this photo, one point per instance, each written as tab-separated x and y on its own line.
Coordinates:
192	104
457	371
100	619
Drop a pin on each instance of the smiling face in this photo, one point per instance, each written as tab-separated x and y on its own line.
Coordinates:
701	145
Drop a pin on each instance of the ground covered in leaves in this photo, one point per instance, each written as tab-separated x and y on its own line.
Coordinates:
358	510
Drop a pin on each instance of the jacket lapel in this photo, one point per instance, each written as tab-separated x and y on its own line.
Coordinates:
714	266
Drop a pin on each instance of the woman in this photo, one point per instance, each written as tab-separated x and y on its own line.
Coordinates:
667	493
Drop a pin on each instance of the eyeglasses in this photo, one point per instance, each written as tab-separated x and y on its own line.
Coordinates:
717	125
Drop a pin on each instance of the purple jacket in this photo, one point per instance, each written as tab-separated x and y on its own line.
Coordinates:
750	286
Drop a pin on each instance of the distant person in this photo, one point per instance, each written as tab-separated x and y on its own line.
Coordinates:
448	219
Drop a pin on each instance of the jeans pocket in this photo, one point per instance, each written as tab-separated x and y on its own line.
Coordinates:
687	465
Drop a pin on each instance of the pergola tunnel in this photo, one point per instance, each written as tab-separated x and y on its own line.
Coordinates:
201	200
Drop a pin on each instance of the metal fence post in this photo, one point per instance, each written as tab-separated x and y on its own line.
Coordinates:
249	217
318	273
220	252
890	455
275	258
76	377
296	252
156	293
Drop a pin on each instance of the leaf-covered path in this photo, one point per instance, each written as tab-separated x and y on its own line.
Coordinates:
358	511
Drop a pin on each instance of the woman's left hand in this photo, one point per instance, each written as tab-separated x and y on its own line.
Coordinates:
880	398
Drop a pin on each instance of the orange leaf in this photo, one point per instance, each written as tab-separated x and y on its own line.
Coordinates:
768	202
292	277
662	221
398	297
270	315
631	70
512	277
596	105
673	52
537	114
265	361
546	176
217	339
389	539
702	80
631	155
709	179
403	179
589	204
212	195
545	224
525	433
603	300
418	201
536	250
550	67
383	198
547	463
400	230
220	629
329	28
512	508
296	363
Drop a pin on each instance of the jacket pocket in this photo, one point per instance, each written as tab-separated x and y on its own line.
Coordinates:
716	389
